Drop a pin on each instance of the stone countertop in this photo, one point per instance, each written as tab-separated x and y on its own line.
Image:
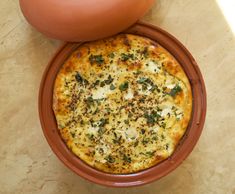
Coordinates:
27	164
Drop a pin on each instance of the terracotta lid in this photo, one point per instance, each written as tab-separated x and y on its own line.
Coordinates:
83	20
183	149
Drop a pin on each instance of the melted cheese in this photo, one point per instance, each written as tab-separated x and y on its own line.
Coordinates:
152	67
101	92
122	104
129	94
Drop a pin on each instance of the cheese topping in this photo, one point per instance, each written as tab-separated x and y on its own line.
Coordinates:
122	104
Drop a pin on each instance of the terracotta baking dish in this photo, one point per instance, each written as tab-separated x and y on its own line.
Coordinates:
185	146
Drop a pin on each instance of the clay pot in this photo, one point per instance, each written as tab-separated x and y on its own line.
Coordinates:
83	20
183	149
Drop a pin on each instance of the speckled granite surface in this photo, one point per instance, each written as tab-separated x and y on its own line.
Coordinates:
27	165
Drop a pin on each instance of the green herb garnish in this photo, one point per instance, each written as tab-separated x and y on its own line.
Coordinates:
108	109
145	83
130	115
109	80
138	72
152	118
136	143
96	59
103	122
89	101
111	55
72	134
126	158
109	159
150	154
142	100
126	122
117	139
142	80
124	86
112	87
101	131
96	111
96	83
175	91
167	146
154	138
142	131
145	52
154	87
163	125
80	79
125	57
102	84
90	137
145	141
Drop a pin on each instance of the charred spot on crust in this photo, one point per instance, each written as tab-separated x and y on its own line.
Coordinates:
126	40
135	65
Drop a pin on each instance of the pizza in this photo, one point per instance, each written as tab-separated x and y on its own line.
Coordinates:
122	104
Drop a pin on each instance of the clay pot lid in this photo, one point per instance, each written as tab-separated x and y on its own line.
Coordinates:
83	20
186	144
